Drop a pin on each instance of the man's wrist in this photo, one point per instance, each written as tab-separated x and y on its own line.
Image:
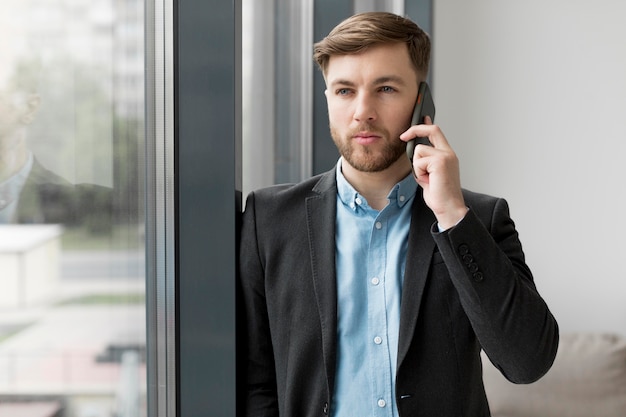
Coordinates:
450	220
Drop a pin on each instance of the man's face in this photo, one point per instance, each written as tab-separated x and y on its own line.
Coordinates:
370	99
9	114
16	110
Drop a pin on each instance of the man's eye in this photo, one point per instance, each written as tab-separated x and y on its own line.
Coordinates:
387	89
343	91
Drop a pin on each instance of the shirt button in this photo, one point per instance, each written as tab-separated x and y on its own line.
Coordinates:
378	225
358	201
402	198
375	281
378	340
382	403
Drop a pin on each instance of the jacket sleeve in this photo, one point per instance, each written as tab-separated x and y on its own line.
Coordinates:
487	267
260	377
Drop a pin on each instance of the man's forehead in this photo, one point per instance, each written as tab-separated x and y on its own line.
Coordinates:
353	75
383	60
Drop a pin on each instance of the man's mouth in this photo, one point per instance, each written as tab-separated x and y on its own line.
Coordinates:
366	138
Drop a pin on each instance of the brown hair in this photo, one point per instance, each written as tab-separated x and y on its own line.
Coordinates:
356	33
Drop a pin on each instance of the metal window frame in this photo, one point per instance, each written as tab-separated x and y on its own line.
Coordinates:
160	220
193	204
293	69
207	129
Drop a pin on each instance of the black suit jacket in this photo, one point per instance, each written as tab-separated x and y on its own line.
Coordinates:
49	198
464	290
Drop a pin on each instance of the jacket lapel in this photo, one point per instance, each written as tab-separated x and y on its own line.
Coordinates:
419	255
320	212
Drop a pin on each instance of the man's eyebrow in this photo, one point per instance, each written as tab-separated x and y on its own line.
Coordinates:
378	81
389	79
342	82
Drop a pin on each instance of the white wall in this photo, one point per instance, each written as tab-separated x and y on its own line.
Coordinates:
532	95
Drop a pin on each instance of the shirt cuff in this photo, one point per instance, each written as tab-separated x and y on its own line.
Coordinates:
441	229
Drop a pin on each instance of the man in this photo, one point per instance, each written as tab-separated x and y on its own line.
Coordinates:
370	290
30	193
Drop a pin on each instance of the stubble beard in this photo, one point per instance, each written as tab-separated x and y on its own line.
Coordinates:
364	158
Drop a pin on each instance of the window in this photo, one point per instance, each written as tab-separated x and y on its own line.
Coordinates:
72	308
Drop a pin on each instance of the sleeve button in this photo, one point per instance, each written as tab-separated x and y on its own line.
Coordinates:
468	259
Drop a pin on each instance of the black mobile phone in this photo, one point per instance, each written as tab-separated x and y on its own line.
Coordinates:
424	106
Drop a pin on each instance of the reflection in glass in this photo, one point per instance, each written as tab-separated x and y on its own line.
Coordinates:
72	305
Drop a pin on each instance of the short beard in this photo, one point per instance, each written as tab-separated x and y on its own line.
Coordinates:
362	158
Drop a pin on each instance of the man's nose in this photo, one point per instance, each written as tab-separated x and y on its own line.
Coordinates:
364	109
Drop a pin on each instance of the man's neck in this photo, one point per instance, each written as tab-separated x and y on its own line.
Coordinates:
13	156
375	186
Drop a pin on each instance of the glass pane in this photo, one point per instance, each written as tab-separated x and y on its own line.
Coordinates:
72	304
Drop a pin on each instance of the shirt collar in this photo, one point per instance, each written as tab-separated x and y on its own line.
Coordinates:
401	193
12	187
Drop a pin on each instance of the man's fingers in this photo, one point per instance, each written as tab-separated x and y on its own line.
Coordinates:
432	132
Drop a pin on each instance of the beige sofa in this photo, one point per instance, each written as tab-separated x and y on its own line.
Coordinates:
588	379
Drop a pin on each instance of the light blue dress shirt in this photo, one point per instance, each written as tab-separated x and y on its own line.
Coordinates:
10	192
371	249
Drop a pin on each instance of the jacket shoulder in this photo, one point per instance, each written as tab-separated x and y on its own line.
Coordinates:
479	199
285	194
487	207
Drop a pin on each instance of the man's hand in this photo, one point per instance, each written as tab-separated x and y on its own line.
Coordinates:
436	169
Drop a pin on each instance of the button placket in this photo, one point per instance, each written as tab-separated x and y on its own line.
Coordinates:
376	266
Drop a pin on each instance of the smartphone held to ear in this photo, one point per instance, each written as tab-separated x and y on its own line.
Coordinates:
424	106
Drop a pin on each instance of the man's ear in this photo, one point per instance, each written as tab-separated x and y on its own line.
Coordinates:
32	105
